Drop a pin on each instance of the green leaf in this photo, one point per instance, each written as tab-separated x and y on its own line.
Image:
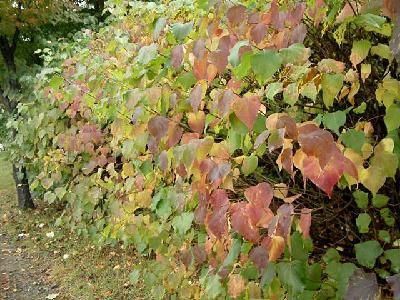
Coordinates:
394	256
380	200
159	26
265	64
134	276
331	255
292	275
243	69
361	108
56	82
233	57
309	90
331	86
387	216
60	192
392	117
186	80
388	91
250	272
372	22
249	165
384	235
313	278
363	220
50	197
359	51
147	54
291	94
382	50
340	274
213	287
183	222
301	248
237	125
353	139
180	30
334	121
273	89
368	252
268	275
294	54
361	199
233	254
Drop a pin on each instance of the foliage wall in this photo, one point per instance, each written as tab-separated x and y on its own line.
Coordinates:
231	143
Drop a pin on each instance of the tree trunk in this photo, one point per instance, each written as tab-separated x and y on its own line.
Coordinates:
22	185
20	175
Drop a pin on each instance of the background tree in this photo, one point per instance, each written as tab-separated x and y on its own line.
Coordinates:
26	26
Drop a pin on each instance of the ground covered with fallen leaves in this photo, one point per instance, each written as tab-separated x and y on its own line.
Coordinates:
41	261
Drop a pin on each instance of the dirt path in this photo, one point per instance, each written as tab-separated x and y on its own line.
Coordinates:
21	277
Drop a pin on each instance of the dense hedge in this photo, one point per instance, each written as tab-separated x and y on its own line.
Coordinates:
207	137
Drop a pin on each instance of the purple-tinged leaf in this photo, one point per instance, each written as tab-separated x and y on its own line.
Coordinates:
362	286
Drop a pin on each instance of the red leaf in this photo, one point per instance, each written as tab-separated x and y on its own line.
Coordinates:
186	256
362	286
285	218
177	56
282	120
236	14
394	282
201	209
277	18
163	161
188	136
254	18
236	285
325	178
199	48
242	224
226	43
317	142
260	217
158	127
200	67
246	109
322	162
216	220
298	34
200	255
259	256
224	103
174	135
258	32
305	222
195	97
219	59
260	195
219	172
196	121
285	158
233	84
296	15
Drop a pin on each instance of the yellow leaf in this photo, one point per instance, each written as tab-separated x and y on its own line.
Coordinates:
277	247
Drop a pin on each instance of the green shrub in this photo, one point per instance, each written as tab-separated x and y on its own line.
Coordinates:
203	136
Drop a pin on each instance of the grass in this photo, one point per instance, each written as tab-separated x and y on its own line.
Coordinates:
82	271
